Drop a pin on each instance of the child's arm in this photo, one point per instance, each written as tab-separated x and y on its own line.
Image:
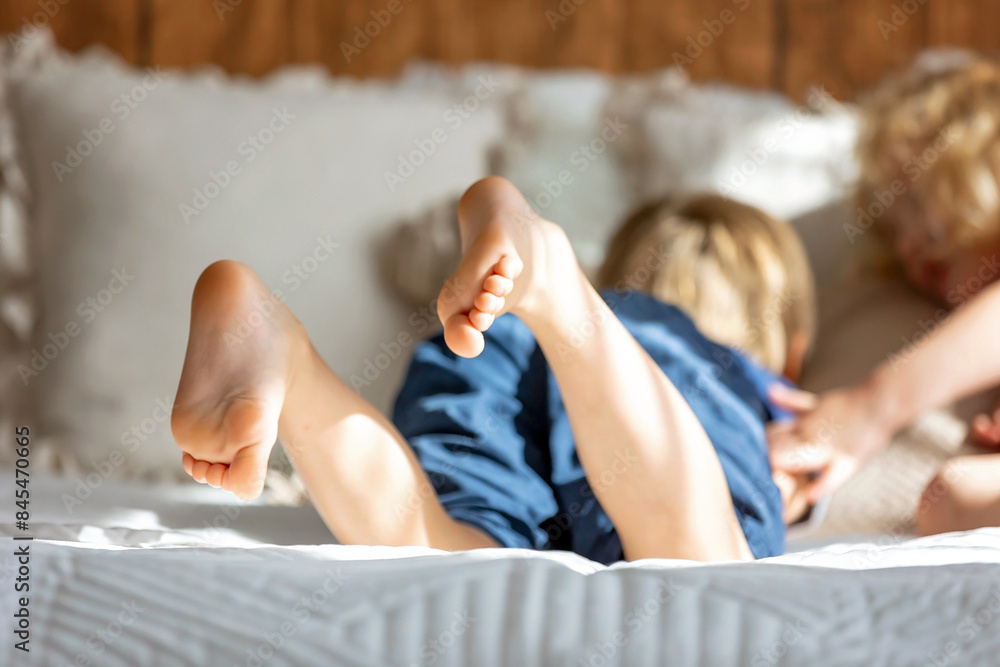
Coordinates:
845	428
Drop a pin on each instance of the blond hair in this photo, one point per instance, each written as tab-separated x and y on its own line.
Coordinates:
741	275
934	134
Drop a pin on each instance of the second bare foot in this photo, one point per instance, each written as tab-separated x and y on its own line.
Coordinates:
513	261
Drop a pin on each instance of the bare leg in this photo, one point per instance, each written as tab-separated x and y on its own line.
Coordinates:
645	454
249	361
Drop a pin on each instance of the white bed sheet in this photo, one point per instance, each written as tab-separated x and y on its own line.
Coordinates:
185	576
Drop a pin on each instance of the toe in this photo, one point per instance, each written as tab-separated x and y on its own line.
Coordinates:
215	473
247	471
488	303
199	470
497	285
480	320
462	337
509	267
188	462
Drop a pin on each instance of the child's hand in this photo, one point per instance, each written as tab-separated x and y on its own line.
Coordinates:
794	495
831	438
986	428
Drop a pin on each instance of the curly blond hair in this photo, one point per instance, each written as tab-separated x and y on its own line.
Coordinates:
741	275
932	133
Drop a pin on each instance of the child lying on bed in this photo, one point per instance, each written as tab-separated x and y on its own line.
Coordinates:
547	415
930	187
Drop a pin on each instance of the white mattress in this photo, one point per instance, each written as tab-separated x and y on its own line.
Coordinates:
146	576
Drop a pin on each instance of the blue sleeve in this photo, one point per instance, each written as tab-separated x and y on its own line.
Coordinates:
479	428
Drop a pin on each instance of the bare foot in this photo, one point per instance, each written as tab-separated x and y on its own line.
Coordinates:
964	495
237	370
511	263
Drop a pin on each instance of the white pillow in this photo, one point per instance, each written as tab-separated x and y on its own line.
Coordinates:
17	307
296	175
559	150
561	155
758	148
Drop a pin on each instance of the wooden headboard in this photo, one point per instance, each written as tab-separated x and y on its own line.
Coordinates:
786	45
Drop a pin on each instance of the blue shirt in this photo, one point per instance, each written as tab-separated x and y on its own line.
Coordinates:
494	437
